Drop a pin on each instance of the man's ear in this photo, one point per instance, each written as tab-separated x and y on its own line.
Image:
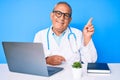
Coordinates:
70	19
51	15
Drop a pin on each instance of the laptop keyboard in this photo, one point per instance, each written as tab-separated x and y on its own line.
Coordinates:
52	70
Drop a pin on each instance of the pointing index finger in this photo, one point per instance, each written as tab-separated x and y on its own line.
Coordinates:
90	21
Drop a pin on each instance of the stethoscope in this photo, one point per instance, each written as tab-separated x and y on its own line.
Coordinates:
69	35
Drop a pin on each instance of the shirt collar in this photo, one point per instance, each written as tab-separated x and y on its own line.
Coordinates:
60	35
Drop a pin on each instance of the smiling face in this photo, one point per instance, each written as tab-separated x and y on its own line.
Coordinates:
60	18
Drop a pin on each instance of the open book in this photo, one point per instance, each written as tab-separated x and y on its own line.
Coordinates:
100	68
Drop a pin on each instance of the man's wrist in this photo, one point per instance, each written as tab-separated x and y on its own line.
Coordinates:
86	40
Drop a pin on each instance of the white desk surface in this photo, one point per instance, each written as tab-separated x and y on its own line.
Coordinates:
66	74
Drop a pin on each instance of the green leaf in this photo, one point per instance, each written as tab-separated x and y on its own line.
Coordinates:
77	65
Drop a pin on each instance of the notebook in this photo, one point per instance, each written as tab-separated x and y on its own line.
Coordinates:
27	57
100	68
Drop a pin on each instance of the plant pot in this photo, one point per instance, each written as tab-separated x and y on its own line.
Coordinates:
77	73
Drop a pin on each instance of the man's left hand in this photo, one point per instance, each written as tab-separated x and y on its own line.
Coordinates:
88	31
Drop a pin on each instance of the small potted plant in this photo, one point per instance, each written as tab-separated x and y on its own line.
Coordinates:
77	70
77	65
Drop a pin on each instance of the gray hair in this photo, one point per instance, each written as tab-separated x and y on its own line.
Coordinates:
65	4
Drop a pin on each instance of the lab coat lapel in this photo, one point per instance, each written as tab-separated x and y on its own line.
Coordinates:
64	40
53	44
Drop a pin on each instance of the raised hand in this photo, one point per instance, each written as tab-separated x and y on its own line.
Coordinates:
88	31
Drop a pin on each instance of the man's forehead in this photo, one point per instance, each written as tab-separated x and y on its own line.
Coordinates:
62	7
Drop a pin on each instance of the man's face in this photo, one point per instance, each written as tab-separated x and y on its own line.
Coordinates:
60	18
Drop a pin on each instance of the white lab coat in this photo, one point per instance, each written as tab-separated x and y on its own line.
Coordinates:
67	48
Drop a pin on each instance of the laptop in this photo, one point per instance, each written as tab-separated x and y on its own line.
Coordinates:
28	57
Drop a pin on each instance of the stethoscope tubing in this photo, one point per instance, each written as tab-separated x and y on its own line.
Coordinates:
71	33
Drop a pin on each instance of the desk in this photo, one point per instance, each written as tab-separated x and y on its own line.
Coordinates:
66	74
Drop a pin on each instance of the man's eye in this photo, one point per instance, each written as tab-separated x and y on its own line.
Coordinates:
58	13
67	15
